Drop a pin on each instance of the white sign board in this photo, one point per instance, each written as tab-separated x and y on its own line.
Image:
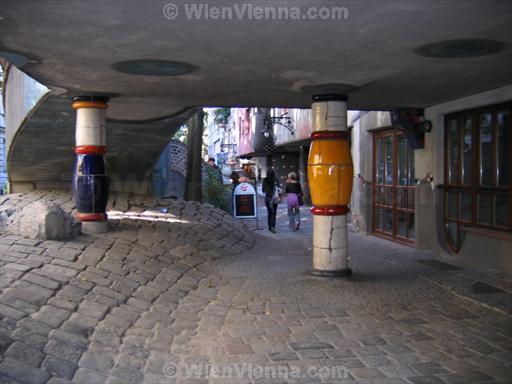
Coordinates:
244	202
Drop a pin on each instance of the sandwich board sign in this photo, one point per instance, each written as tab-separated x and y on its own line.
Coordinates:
244	202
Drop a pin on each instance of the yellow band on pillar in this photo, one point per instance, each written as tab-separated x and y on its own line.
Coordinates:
330	172
90	104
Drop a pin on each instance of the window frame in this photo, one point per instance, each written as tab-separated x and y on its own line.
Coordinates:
389	199
474	188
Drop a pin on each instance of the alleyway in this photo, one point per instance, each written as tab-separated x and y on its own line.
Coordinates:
165	297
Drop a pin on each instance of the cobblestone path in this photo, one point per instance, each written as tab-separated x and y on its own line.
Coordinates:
393	322
95	309
190	296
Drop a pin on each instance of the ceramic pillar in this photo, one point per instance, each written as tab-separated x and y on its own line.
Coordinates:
330	174
90	179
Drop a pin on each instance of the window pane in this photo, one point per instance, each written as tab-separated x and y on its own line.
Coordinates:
452	202
380	218
466	206
403	177
503	156
412	234
467	151
389	160
452	234
484	208
379	195
485	149
402	224
402	197
388	221
501	210
453	152
380	162
388	199
401	201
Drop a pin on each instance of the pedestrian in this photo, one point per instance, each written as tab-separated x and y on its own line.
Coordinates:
216	170
294	198
270	188
235	179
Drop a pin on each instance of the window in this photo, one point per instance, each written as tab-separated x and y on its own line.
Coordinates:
393	189
478	171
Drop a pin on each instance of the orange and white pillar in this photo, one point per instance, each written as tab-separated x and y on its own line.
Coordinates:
330	174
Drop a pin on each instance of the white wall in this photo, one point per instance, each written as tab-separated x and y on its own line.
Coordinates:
362	149
22	93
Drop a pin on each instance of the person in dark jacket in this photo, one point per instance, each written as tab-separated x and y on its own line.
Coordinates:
270	187
215	170
235	177
293	196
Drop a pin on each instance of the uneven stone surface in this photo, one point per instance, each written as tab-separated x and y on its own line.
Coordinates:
87	310
43	220
181	293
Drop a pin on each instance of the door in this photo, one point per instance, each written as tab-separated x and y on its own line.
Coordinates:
393	187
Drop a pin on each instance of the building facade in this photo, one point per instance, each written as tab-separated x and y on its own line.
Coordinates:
275	137
221	135
451	194
454	195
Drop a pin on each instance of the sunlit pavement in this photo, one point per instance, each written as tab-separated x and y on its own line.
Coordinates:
191	296
282	230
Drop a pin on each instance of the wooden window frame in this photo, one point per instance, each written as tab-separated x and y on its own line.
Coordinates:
393	189
475	188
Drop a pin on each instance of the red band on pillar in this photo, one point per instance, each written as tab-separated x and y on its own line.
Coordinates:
90	150
336	210
91	216
319	135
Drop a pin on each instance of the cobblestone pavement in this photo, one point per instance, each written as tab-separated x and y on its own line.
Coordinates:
164	297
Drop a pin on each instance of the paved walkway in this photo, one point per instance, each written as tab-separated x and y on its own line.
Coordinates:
191	296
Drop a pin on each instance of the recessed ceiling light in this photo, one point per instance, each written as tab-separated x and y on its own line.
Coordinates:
154	67
101	98
461	48
328	89
89	95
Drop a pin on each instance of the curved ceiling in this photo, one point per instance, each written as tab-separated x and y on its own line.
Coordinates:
75	45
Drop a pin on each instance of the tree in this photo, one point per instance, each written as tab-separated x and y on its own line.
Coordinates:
222	115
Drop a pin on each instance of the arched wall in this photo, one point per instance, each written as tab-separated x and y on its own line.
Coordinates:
41	138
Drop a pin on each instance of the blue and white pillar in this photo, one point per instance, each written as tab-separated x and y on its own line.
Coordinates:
90	180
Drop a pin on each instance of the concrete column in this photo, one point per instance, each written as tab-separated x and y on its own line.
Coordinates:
90	180
193	185
330	174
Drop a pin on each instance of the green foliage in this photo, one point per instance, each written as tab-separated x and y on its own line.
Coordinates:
214	191
182	134
222	115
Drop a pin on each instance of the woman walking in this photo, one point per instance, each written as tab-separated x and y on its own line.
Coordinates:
270	188
294	196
